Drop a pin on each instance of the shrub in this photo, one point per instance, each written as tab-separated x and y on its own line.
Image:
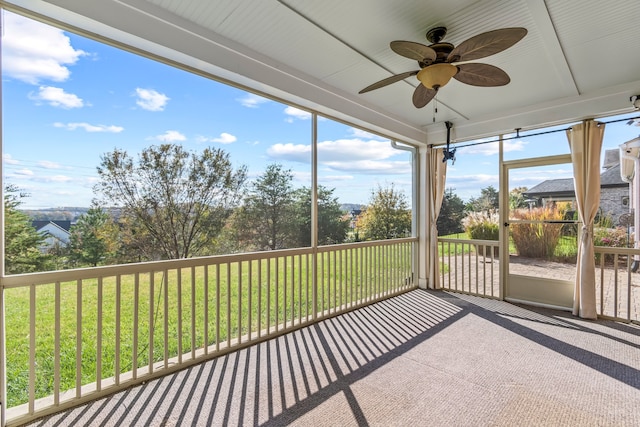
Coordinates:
613	238
537	240
482	225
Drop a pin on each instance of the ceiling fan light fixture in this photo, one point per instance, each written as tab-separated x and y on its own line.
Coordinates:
437	75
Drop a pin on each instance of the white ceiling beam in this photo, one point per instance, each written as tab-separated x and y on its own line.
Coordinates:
540	14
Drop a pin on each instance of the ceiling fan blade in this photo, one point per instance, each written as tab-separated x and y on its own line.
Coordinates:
486	44
388	81
422	96
481	75
413	50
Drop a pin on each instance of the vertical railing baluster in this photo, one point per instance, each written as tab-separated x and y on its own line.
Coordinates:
205	339
56	347
462	269
228	304
615	289
378	271
321	284
277	299
179	309
455	259
151	319
311	262
339	260
239	302
299	289
387	270
360	278
32	348
268	296
470	272
136	308
335	284
250	300
78	338
218	307
629	261
165	284
293	310
118	327
205	295
493	263
352	276
477	267
99	337
259	313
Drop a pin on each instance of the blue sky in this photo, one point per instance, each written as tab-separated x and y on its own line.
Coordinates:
67	100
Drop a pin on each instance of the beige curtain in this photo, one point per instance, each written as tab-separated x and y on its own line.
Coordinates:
585	142
437	177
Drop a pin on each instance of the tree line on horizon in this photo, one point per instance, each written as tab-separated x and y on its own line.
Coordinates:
175	204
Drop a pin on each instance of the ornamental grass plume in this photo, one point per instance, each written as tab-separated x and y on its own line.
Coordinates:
540	239
483	225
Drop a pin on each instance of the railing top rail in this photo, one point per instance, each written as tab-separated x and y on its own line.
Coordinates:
48	277
328	248
616	250
471	241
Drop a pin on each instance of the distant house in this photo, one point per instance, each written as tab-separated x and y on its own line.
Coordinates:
56	233
614	192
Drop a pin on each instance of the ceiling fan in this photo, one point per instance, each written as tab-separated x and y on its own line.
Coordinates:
436	61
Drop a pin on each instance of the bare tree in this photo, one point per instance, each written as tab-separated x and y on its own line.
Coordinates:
178	200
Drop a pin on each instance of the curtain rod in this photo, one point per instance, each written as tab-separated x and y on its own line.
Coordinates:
536	134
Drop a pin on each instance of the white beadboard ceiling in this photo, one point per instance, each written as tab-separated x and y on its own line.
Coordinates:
580	58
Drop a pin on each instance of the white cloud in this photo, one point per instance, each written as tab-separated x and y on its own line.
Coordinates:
57	97
252	101
492	148
9	160
151	100
24	172
57	178
344	155
296	113
334	178
48	164
340	150
170	136
371	167
32	52
89	127
362	134
224	138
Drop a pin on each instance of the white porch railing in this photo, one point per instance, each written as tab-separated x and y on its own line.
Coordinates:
472	266
76	335
617	286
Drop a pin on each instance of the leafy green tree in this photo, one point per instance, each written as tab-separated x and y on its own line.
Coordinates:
516	198
451	214
94	238
387	215
333	226
489	199
22	252
266	219
176	200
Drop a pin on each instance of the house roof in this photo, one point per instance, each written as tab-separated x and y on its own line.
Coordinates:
63	224
564	186
578	60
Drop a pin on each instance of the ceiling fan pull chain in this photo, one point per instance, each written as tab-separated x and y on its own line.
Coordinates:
435	108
